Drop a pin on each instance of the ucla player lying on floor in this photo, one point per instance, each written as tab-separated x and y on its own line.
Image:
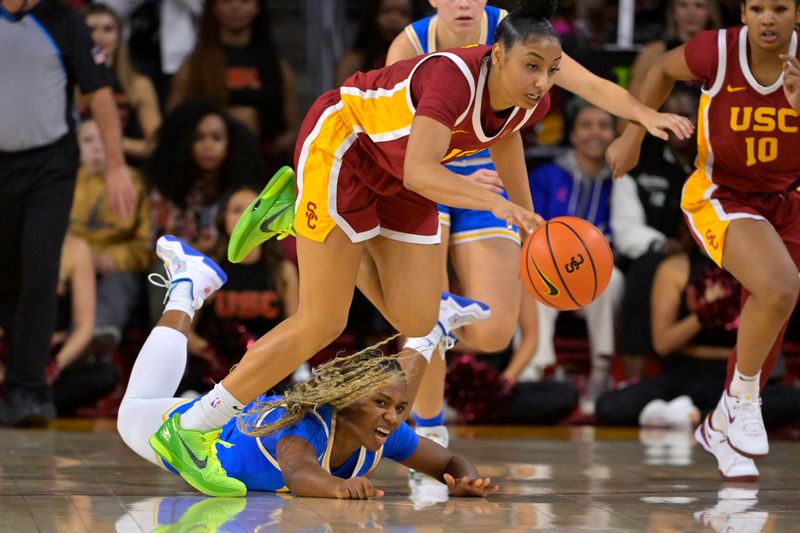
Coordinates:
319	439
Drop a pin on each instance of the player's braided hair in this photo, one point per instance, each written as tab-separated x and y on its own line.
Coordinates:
531	19
337	383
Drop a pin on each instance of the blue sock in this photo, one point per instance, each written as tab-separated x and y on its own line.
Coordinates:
437	420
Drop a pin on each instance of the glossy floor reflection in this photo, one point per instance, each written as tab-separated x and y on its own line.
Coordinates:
556	479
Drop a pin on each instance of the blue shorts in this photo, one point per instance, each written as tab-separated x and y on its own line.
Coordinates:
469	225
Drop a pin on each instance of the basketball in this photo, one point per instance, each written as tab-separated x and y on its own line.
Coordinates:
566	263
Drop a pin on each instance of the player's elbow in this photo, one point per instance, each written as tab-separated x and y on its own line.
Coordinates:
413	178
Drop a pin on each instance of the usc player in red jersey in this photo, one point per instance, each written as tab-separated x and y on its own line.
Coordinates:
741	202
369	161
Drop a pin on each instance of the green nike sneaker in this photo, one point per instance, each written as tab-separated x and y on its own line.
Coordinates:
206	515
194	455
270	214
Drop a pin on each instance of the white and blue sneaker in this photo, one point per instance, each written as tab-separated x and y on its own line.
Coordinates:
456	311
184	263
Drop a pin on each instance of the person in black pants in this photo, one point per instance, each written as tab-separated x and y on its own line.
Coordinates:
47	50
694	314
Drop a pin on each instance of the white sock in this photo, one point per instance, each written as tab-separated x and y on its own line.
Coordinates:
745	387
426	345
212	411
180	298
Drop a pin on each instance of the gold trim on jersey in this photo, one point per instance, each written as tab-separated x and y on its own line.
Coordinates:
412	37
361	456
432	33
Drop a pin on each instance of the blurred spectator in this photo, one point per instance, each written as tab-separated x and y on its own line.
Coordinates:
579	184
162	33
684	19
647	220
235	64
79	378
76	310
694	311
134	94
200	154
120	247
382	22
260	292
594	26
47	49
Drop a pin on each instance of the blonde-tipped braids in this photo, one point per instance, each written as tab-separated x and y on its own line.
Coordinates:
337	383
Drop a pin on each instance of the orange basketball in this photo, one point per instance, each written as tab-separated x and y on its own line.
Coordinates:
566	263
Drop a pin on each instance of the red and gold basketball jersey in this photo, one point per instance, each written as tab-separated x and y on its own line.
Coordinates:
381	105
747	133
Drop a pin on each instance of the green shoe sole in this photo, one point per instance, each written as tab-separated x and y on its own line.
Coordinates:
185	472
270	214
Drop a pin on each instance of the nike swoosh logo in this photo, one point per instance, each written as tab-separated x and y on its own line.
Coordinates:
271	219
197	462
728	411
552	289
735	89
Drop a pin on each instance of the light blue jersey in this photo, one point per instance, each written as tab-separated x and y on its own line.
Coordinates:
466	225
253	460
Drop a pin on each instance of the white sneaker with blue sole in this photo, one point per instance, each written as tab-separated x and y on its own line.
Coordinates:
184	263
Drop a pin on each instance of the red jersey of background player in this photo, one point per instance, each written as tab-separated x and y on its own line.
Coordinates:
747	134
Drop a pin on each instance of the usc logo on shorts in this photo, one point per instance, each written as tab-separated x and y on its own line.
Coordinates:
712	239
311	215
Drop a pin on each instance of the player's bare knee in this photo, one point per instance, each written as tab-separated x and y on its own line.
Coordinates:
330	329
492	341
781	294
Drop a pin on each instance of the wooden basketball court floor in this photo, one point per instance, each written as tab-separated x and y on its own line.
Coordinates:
79	476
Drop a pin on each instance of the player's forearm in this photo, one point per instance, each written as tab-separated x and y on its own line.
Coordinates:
435	182
312	482
653	93
459	467
509	159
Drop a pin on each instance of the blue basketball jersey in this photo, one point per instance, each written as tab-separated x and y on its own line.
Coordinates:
422	35
253	460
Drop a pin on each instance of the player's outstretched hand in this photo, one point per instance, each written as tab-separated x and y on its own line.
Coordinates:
514	214
658	124
488	179
357	488
469	487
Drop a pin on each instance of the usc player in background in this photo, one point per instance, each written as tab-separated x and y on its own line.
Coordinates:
742	202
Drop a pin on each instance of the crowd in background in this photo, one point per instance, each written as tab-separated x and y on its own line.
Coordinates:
208	109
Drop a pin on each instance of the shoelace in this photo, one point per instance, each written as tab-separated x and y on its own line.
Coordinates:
447	342
752	423
211	439
160	281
